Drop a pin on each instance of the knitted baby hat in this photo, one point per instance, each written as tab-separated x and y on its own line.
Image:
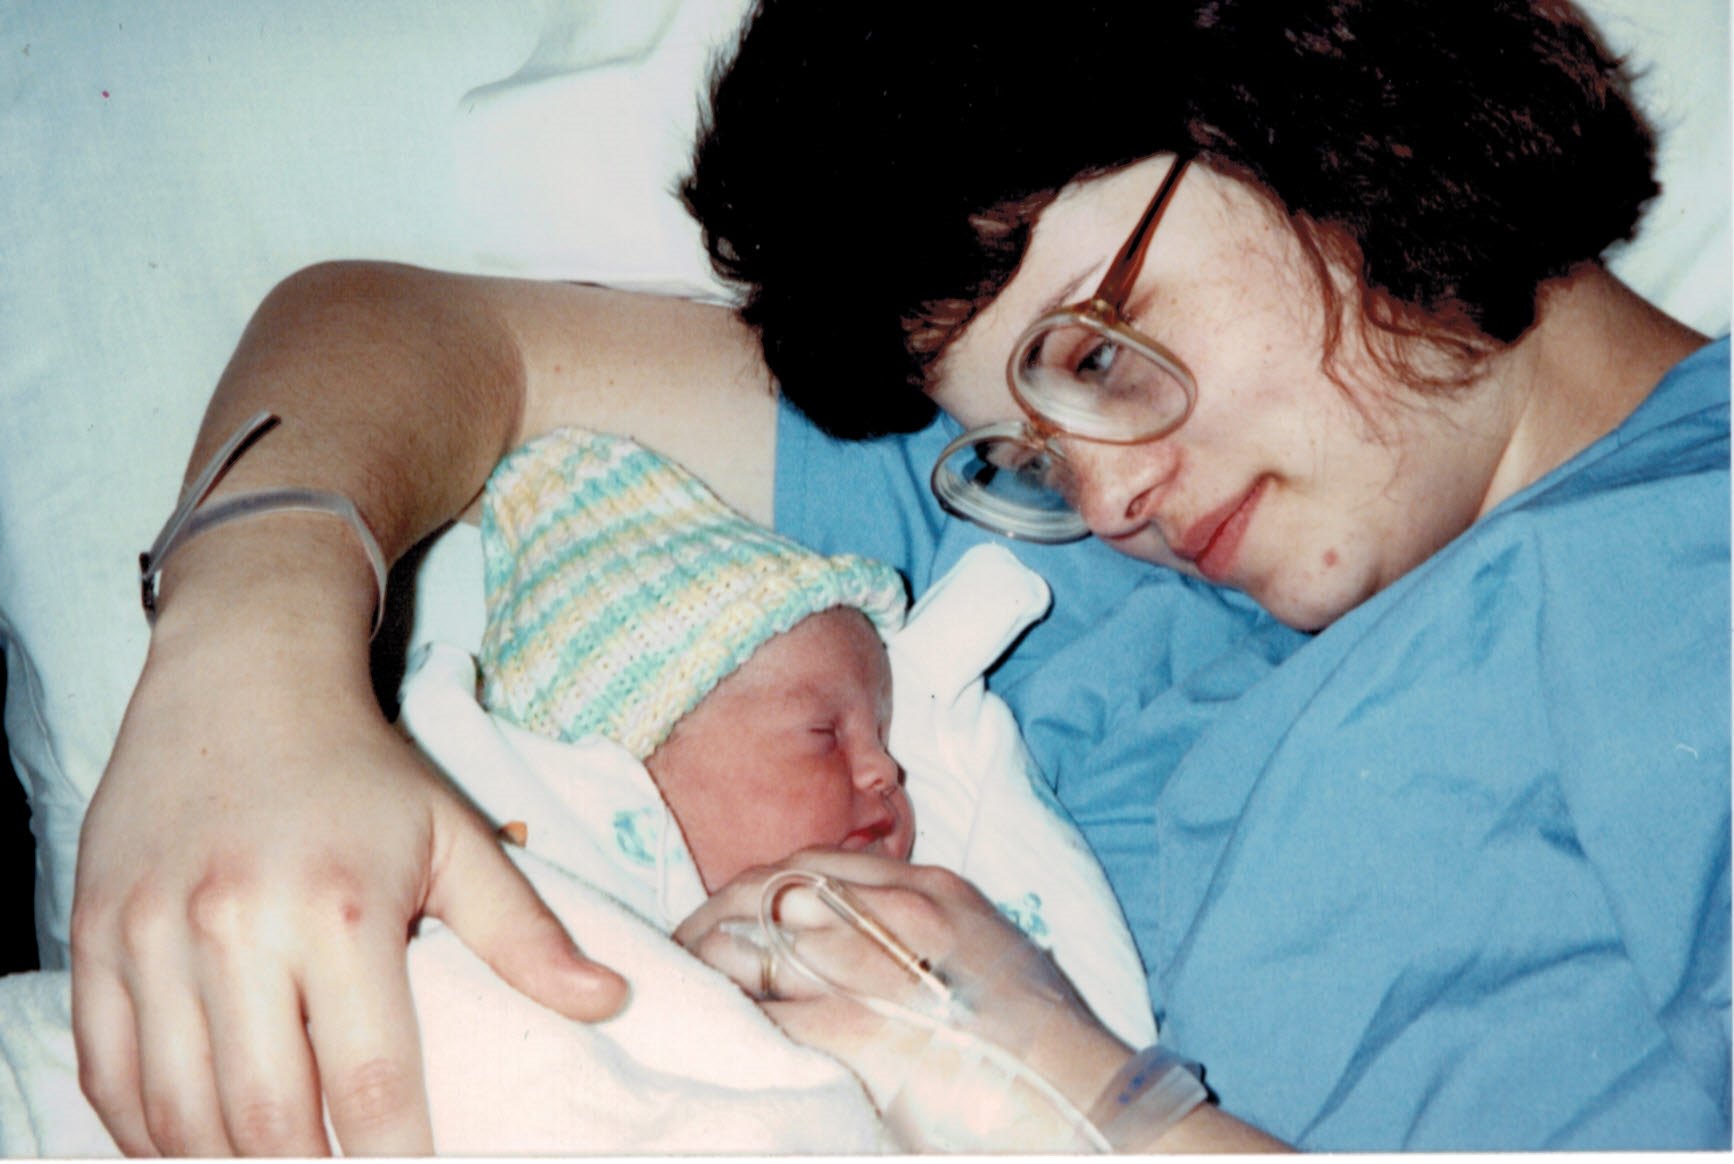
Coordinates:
620	590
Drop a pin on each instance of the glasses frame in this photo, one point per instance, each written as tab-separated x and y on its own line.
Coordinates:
996	514
1102	313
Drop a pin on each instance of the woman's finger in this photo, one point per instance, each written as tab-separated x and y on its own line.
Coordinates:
812	962
267	1086
739	899
761	969
105	1034
362	1025
857	868
494	910
178	1086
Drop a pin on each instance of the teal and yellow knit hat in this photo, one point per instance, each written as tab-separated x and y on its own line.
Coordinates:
620	590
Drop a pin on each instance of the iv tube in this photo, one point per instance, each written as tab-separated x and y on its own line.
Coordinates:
951	1008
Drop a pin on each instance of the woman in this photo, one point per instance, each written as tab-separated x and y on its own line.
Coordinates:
1450	873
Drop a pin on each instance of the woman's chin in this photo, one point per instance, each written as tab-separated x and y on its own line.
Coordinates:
1310	605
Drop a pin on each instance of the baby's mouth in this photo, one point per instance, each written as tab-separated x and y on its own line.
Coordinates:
871	834
892	835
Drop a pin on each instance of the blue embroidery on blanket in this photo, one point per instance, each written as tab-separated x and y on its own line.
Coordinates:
634	835
1026	914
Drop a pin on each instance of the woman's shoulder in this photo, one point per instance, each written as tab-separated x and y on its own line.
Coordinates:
1689	405
684	379
1601	589
1664	469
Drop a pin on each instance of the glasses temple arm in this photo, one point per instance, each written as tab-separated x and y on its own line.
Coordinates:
1117	283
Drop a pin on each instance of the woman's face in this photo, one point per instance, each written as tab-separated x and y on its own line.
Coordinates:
789	753
1280	483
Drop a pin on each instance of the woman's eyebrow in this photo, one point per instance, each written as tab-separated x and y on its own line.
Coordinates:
1064	295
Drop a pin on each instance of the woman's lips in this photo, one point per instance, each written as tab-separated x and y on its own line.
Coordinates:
1212	543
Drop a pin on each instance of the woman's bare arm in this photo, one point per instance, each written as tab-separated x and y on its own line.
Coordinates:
402	387
262	841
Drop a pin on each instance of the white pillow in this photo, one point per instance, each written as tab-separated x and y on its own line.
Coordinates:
1678	52
568	168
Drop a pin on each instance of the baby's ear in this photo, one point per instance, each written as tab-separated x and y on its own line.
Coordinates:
968	618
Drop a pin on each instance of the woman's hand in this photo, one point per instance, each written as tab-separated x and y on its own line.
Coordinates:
249	873
935	1090
930	1085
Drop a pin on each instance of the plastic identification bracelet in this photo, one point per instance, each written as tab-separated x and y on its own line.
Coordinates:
1155	1090
192	518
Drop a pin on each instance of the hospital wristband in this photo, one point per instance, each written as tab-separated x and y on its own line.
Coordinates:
192	517
1155	1090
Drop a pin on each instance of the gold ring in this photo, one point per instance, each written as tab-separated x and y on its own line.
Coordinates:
767	972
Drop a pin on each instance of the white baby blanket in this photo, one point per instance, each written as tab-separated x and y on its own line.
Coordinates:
691	1065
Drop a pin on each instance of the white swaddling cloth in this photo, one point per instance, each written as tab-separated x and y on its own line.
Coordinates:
691	1065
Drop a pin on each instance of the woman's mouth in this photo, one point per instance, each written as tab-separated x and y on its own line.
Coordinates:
1212	543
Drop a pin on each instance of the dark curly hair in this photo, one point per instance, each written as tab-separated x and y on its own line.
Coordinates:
871	173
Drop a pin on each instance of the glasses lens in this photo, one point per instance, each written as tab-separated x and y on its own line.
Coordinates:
1002	481
1097	381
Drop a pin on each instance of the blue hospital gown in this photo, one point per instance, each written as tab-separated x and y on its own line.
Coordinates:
1452	874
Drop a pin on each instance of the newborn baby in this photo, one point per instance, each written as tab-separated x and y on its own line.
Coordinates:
625	601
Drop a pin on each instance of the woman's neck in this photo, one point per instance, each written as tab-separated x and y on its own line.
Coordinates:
1596	352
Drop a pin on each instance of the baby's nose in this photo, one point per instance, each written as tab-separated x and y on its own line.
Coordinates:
877	772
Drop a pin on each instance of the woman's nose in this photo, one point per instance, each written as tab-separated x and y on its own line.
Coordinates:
1115	488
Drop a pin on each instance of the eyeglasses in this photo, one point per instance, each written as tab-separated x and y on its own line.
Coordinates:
1081	371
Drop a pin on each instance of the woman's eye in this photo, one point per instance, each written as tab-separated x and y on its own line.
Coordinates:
1013	457
1034	464
1079	353
1057	477
1097	362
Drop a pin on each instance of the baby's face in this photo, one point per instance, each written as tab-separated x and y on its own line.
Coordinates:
789	753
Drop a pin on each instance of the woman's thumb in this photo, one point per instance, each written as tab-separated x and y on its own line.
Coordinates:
494	910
